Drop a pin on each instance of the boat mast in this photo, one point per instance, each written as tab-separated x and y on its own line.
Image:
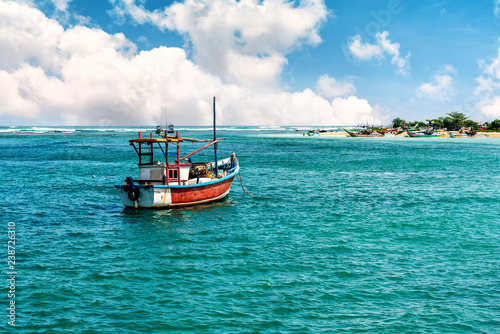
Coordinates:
166	119
167	181
167	178
215	145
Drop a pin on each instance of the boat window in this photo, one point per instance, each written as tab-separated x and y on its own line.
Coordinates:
172	173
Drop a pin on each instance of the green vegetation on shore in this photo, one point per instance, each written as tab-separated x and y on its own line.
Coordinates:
454	121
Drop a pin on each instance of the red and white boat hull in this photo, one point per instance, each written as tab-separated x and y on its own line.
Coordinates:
163	196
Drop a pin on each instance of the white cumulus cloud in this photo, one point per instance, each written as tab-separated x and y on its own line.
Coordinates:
61	5
329	87
487	91
85	76
364	51
226	34
27	35
491	78
355	111
490	107
367	51
440	88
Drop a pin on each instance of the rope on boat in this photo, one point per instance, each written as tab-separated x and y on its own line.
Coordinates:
238	176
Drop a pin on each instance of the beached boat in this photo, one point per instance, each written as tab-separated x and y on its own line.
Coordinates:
179	183
311	133
466	135
364	132
469	133
429	133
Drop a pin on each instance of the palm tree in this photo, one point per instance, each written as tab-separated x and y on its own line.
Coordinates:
457	119
438	123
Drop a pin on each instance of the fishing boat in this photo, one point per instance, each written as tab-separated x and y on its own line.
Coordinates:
428	133
160	131
470	133
478	135
171	128
182	182
363	132
312	133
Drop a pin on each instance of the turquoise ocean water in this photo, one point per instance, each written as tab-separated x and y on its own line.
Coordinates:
374	235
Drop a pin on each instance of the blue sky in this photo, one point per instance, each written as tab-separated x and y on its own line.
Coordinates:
314	62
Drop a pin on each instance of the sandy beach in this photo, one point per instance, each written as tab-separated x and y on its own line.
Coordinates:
491	134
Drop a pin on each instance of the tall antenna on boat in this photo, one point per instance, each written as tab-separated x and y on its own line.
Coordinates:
164	112
166	117
215	145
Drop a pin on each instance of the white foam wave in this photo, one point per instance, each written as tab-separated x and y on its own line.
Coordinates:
152	129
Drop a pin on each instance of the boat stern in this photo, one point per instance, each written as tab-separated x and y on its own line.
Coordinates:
135	195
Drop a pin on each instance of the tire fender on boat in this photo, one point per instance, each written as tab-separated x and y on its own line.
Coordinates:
133	193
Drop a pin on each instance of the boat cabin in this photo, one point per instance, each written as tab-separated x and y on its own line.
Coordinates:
156	173
181	171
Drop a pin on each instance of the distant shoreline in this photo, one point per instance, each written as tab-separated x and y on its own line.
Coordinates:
343	133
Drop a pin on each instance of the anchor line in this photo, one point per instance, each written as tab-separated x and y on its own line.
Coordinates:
238	176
